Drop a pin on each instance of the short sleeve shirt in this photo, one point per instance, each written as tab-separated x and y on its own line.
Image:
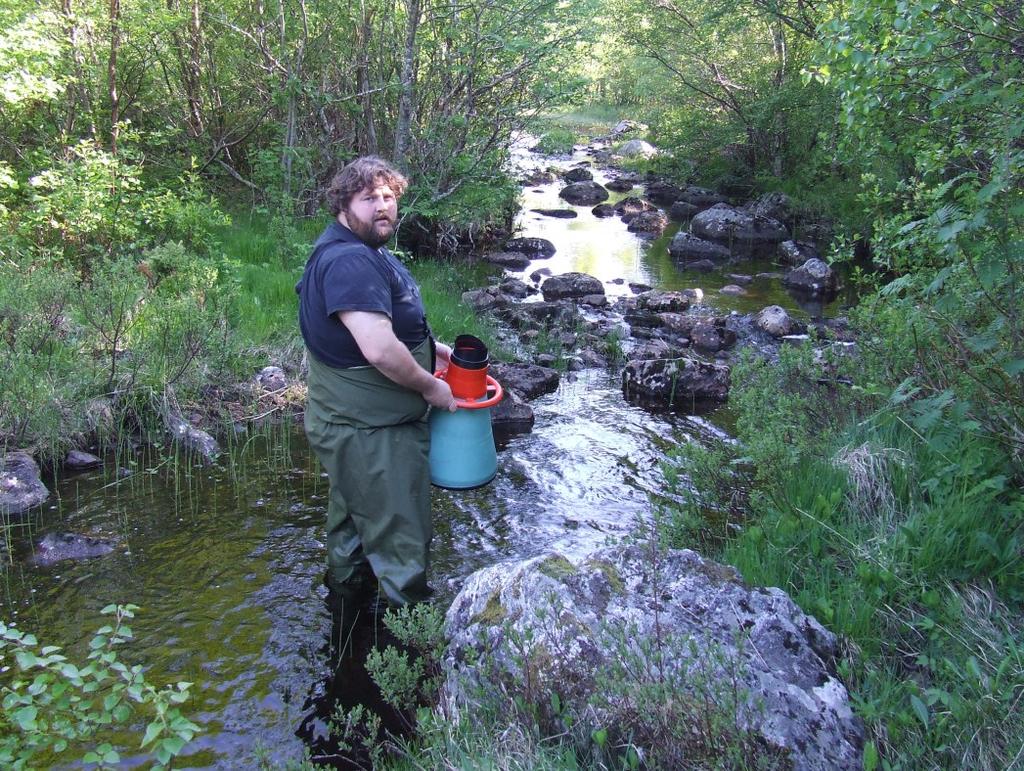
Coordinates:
344	274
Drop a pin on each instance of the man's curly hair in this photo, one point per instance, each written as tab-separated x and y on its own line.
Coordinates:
368	171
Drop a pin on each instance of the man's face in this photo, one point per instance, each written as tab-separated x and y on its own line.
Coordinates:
372	214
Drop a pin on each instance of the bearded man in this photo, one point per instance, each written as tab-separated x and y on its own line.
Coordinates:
371	362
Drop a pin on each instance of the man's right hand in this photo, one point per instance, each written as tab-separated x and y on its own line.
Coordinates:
440	396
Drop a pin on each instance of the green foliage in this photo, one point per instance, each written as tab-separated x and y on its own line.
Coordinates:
720	83
128	332
894	522
556	141
29	57
787	409
409	676
678	702
442	285
39	351
948	228
712	487
83	207
55	709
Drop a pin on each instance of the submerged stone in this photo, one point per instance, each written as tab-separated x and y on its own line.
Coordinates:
57	547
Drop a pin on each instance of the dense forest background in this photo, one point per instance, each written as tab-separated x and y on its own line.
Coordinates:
160	161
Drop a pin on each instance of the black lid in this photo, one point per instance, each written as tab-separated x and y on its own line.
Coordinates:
469	352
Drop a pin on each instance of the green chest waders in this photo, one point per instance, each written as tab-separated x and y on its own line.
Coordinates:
371	437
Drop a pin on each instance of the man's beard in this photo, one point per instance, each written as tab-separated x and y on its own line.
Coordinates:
373	233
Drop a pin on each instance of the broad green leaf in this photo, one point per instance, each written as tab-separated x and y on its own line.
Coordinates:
1014	368
26	717
920	709
152	731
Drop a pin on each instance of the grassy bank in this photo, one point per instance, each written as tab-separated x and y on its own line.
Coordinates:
895	522
97	355
558	131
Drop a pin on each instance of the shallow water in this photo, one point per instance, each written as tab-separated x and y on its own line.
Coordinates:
226	561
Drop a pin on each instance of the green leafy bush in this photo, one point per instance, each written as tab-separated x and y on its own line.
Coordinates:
57	710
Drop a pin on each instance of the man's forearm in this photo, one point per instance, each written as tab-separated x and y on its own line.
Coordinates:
396	363
380	347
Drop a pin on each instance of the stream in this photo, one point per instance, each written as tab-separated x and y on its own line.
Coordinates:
226	561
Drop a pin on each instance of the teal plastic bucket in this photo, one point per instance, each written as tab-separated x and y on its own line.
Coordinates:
462	454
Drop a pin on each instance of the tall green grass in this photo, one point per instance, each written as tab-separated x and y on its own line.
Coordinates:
268	260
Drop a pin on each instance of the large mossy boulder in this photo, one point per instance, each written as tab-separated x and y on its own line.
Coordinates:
663	650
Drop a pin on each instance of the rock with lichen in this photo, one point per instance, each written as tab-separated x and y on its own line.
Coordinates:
598	630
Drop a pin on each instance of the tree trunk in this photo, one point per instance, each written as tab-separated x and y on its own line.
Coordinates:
115	44
363	77
80	97
406	98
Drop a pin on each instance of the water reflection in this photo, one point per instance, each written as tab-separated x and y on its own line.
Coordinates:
604	248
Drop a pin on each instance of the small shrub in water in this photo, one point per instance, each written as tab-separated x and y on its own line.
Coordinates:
56	708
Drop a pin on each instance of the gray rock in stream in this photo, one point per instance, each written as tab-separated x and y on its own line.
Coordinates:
777	322
677	381
509	260
648	223
630	206
571	285
814	278
578	174
796	253
662	193
527	380
688	248
701	198
741	231
511	415
620	185
77	460
535	248
559	214
193	439
57	547
584	193
637	148
662	301
21	488
597	629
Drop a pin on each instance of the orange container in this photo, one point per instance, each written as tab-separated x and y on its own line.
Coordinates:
467	372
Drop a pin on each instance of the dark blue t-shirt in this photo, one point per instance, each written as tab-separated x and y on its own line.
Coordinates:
344	274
